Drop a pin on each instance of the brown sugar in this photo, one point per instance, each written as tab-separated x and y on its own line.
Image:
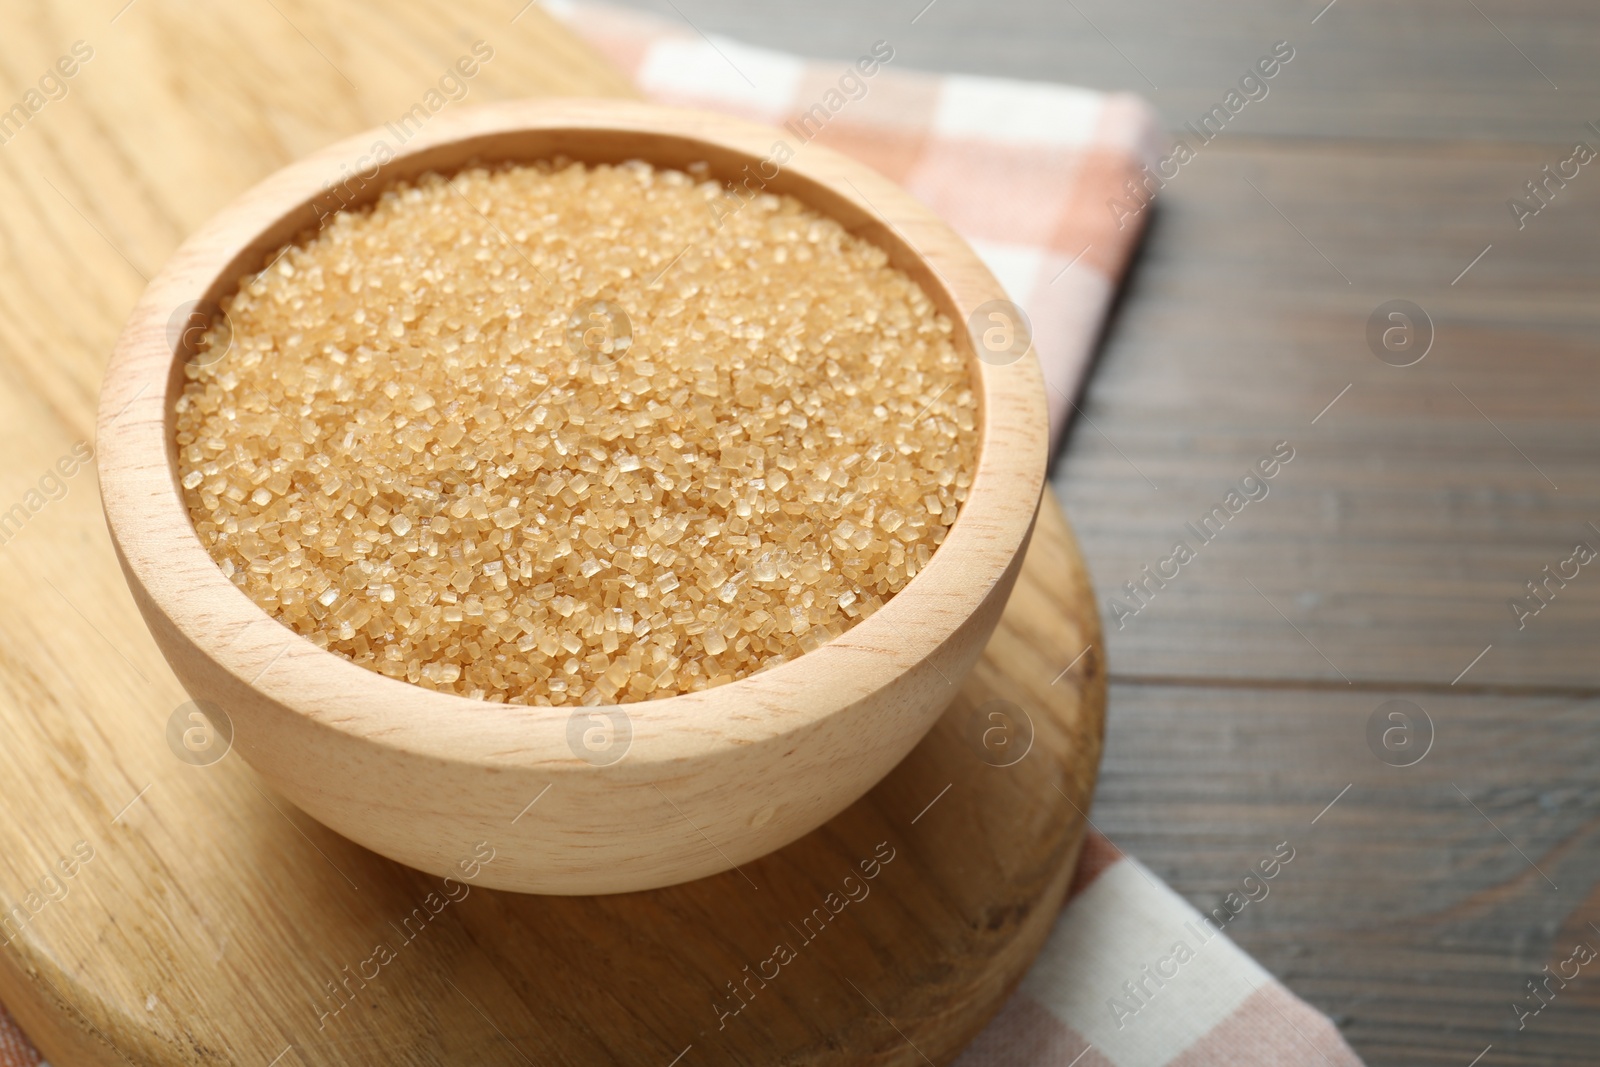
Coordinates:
568	434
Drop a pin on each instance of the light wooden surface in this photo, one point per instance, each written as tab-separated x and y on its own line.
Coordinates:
704	780
210	914
1408	519
211	917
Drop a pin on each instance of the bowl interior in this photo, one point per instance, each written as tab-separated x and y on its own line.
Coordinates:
163	554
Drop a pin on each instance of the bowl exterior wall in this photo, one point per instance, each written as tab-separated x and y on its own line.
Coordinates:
572	826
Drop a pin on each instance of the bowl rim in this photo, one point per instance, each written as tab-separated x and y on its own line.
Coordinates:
174	575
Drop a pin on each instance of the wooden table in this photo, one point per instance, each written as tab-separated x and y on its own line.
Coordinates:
1382	564
1383	561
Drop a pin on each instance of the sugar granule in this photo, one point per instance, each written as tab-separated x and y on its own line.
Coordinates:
568	434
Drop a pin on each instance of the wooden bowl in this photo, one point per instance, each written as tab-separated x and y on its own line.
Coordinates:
586	800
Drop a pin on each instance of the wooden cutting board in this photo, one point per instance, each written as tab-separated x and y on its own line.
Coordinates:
163	913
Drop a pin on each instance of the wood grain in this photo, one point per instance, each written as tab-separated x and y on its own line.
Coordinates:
1417	506
1405	914
1412	127
211	916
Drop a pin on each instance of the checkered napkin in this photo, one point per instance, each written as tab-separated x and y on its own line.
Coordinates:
1131	975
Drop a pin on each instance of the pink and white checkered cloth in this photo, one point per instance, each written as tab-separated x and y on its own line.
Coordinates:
1132	976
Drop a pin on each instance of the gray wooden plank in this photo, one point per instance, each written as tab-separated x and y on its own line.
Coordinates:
1405	914
1424	499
